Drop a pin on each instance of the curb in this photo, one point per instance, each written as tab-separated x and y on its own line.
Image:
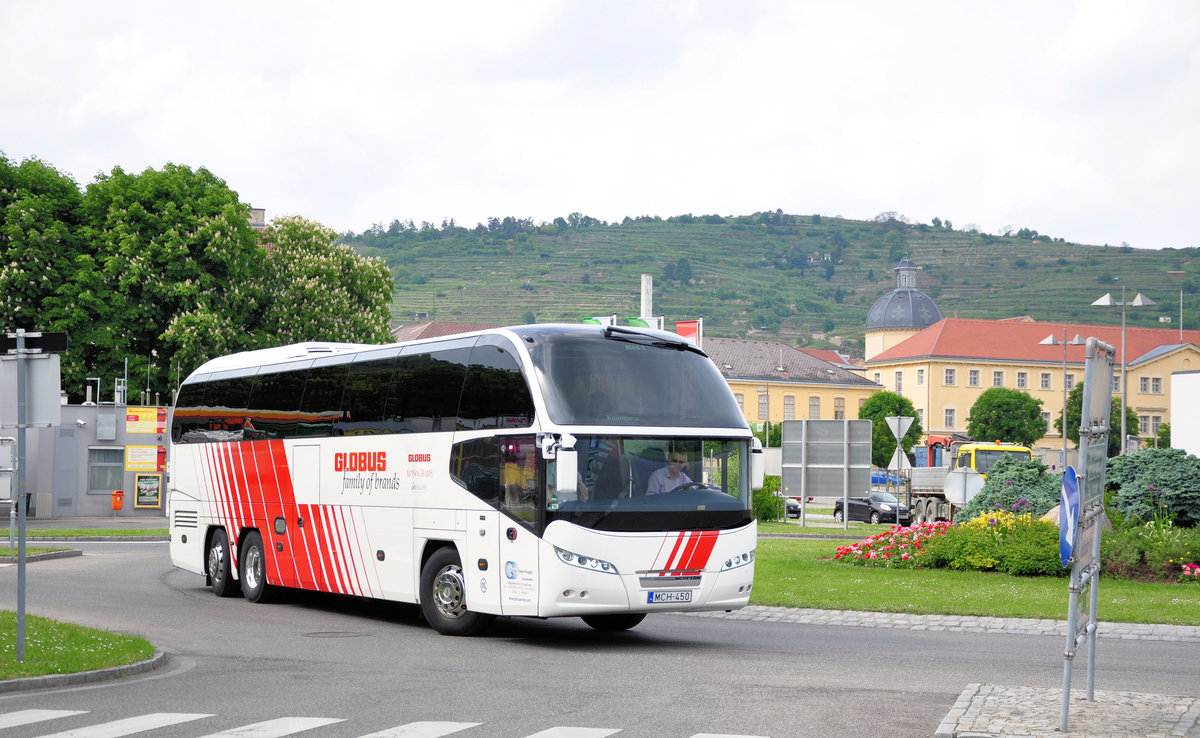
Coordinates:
114	539
26	684
43	556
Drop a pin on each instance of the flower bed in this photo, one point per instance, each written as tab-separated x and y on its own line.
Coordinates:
897	547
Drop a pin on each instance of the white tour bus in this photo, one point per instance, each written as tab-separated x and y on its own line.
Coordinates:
500	472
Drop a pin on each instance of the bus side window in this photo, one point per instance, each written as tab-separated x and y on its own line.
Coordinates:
502	472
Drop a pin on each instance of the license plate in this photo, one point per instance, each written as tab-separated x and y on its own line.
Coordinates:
657	598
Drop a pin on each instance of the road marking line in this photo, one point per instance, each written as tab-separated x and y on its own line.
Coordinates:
276	728
423	729
25	717
118	728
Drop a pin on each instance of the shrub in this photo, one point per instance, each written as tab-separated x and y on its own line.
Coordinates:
768	505
1156	480
1002	541
1155	550
1016	486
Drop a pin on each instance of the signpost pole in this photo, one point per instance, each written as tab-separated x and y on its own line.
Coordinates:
19	499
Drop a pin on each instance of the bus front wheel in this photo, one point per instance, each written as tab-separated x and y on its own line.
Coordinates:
254	569
220	574
444	596
610	623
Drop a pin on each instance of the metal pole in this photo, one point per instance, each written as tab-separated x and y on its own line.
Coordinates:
1062	461
1124	373
20	497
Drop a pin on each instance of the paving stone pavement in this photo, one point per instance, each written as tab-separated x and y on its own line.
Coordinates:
995	711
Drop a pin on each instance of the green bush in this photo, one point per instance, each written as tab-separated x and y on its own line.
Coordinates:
1016	486
1155	550
1156	482
1013	544
768	505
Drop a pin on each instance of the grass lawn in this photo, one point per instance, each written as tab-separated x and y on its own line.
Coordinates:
798	572
53	647
90	532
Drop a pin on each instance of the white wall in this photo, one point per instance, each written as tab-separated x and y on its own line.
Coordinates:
1185	411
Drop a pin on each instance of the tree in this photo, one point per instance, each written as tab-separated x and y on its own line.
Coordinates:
39	221
1007	415
158	245
1075	401
879	406
1162	439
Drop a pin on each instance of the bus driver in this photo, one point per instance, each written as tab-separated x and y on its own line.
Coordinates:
670	476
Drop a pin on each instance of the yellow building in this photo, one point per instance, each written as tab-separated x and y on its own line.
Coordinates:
944	368
775	382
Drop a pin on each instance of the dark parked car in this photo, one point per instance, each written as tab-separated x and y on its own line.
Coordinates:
878	507
793	507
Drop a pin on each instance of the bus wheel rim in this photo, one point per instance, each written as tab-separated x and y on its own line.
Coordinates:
253	566
449	592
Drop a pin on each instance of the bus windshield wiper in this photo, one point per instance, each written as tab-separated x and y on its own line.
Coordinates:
619	333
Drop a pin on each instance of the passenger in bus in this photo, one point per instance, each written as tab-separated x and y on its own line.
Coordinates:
670	476
605	476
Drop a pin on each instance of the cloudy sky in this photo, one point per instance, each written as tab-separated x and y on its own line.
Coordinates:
1078	119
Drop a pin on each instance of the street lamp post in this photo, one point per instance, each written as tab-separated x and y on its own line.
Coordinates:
1139	300
1052	340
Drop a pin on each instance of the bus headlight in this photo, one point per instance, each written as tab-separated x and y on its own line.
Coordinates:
737	561
584	562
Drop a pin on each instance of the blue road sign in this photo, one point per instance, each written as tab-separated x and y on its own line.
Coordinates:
1068	515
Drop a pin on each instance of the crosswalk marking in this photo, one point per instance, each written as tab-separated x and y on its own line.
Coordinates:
281	727
276	728
426	729
25	717
576	733
128	726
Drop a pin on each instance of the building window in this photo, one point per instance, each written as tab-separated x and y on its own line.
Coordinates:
920	376
1155	421
763	406
1116	383
839	408
1156	385
950	376
1046	380
741	401
814	408
878	378
1070	382
997	379
948	418
921	416
789	408
1143	424
899	383
1046	419
861	401
106	470
1022	380
1143	384
973	378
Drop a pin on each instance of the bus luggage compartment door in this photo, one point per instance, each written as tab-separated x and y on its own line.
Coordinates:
482	568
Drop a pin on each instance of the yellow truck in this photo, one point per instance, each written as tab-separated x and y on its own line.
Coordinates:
939	492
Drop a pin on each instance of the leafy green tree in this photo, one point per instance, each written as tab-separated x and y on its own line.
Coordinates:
39	220
1075	401
1007	415
157	246
315	289
882	405
1162	439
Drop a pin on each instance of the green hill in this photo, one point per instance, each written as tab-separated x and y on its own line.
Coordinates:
808	280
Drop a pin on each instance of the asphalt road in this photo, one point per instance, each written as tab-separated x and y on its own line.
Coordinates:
375	666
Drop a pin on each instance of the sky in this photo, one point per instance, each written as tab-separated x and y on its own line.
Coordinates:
1080	120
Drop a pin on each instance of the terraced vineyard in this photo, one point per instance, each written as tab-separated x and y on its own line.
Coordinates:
806	280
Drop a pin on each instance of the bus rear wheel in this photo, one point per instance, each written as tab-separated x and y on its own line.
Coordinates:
444	596
611	623
254	569
220	570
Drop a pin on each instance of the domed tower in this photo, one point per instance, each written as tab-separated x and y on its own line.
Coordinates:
901	313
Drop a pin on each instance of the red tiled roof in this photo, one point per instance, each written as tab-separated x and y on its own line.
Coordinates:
436	330
1010	340
830	355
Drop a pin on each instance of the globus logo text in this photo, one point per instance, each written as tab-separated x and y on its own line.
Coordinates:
360	461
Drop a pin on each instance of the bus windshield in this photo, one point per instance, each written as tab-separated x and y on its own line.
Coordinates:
629	483
595	378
